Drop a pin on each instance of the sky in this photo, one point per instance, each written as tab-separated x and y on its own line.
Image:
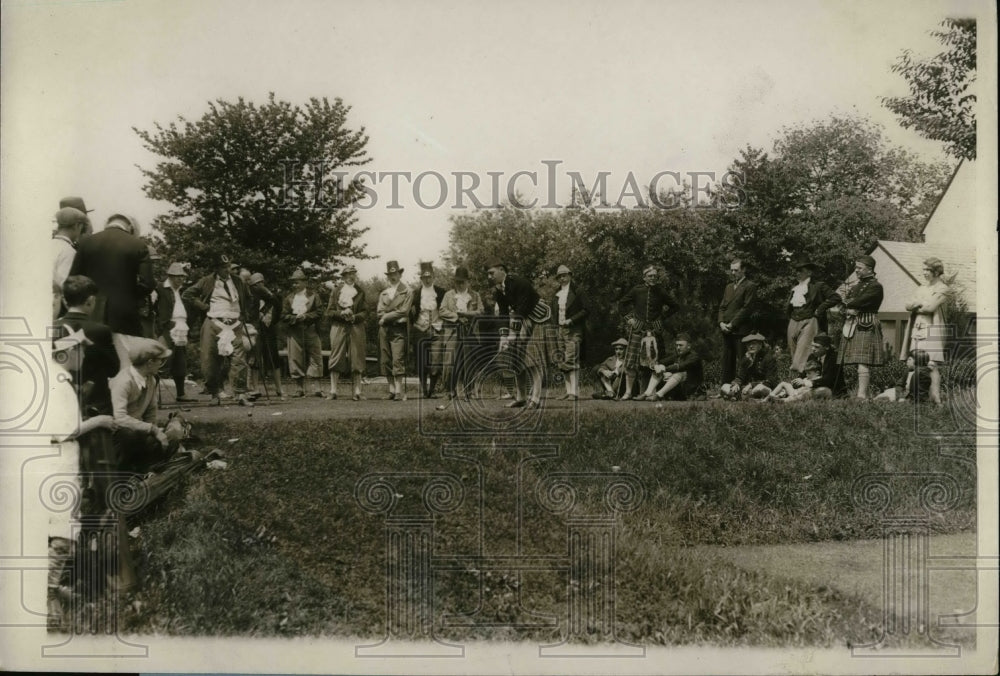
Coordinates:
443	86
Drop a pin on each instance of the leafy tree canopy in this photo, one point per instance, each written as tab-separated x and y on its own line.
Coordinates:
259	183
942	100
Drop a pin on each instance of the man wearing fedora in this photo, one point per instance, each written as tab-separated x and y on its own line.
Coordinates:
807	306
859	300
118	261
459	310
300	313
570	312
393	312
223	299
427	323
172	325
525	345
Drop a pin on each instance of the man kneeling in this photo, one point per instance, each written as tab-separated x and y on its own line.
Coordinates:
140	444
678	377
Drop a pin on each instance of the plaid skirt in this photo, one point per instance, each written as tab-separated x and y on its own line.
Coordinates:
535	347
634	356
864	347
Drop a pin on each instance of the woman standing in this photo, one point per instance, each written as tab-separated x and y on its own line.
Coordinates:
926	327
347	314
300	313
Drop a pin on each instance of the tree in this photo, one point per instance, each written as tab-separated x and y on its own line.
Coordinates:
942	99
261	183
830	190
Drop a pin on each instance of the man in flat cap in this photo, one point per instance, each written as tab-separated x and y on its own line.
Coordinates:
860	299
70	224
118	261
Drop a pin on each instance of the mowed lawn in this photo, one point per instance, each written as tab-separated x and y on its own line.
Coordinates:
278	544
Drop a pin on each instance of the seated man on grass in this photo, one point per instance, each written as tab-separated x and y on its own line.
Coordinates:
139	442
611	370
756	371
800	389
678	376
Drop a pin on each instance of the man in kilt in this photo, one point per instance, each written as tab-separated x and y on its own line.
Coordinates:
860	302
644	307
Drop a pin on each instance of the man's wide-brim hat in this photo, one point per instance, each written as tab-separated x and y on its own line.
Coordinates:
804	261
461	274
426	269
391	267
298	275
176	270
75	202
67	217
754	337
621	342
256	278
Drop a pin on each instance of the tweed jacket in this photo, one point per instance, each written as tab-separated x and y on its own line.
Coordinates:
394	311
358	307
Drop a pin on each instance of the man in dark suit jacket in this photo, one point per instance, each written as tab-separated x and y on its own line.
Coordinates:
738	303
807	305
517	299
118	261
427	325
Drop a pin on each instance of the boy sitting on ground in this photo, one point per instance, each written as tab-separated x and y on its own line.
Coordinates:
611	370
915	385
800	389
678	376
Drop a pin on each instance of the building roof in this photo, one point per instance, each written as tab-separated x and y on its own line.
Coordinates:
908	258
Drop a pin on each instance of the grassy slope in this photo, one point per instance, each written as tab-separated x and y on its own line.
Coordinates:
277	544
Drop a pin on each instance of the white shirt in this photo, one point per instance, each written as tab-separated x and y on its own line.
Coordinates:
225	302
561	296
180	312
799	293
63	254
390	293
300	303
347	294
462	299
428	299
